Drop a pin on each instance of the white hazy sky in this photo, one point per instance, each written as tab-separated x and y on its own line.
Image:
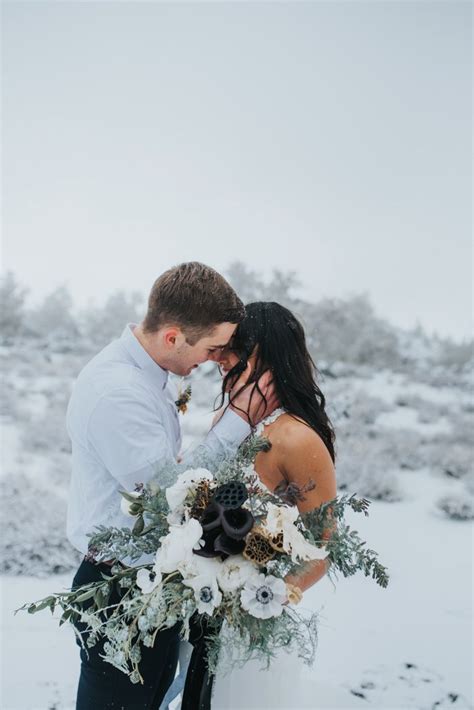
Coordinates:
330	138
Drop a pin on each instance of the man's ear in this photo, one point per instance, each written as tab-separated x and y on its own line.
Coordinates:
172	337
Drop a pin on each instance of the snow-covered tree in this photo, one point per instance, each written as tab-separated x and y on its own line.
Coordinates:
348	330
102	324
248	283
54	319
12	306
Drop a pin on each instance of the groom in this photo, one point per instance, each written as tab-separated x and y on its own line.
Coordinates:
123	424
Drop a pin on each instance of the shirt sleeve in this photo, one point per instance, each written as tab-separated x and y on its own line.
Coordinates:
126	433
223	440
128	436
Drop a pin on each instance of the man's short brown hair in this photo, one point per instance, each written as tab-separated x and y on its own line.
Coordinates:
193	297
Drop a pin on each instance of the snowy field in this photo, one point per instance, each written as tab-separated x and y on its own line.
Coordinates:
402	443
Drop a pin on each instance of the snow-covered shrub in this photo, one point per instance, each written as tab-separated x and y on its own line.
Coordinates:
377	486
9	402
46	430
363	467
352	410
449	458
404	447
33	540
454	355
457	507
428	411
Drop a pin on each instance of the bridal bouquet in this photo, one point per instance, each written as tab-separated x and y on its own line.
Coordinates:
221	545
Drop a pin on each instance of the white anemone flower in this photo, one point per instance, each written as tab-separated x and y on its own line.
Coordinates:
177	546
281	519
233	573
186	482
148	580
206	592
263	596
125	504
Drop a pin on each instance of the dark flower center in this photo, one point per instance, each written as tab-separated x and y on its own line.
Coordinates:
264	595
206	594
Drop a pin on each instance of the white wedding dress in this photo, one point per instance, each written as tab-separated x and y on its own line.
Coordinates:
288	684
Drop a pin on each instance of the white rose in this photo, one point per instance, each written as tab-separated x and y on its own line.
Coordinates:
178	545
234	572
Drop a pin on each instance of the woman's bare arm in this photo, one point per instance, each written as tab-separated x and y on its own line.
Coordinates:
305	458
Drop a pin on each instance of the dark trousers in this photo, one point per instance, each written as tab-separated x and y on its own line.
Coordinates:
101	685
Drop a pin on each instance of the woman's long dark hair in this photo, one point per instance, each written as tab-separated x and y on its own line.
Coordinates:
281	348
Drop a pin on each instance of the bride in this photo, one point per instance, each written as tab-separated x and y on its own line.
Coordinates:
302	439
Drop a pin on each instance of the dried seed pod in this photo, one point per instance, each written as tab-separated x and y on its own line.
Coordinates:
201	499
258	548
276	541
231	495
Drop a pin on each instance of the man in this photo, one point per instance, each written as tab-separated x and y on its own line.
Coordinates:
123	423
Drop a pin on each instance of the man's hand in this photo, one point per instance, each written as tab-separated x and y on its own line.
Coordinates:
249	403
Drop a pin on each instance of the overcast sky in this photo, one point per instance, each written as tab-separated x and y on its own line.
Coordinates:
330	138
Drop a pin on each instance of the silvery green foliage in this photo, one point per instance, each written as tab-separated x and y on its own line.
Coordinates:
262	639
457	507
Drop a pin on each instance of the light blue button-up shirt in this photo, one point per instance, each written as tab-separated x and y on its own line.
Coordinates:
124	427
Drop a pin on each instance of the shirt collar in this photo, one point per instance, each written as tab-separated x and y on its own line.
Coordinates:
138	353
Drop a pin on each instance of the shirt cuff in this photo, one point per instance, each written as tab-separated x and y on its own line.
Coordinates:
231	429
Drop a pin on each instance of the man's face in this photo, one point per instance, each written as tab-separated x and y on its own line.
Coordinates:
187	357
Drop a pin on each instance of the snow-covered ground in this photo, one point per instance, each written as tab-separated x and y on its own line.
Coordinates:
406	647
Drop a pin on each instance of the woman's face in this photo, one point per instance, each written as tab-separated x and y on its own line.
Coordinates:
229	359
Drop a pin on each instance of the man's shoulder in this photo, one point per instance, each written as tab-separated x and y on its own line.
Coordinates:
110	369
110	375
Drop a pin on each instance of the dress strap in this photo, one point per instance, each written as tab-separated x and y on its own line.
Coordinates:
269	420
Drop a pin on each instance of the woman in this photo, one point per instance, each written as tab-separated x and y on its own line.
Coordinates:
302	451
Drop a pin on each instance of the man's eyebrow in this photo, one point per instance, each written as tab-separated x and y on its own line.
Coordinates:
218	346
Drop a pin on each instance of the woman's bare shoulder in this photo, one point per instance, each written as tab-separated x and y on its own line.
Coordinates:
294	431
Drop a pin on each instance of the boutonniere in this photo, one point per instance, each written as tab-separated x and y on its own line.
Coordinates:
183	399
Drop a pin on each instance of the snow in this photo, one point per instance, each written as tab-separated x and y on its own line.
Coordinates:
406	647
408	418
367	634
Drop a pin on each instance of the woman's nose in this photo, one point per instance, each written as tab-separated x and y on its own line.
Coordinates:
221	357
216	356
